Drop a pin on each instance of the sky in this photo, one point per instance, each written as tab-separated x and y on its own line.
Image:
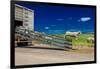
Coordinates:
60	19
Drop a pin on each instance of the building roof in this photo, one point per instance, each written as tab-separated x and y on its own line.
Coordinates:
23	7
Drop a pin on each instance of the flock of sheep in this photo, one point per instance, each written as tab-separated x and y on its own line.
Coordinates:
76	34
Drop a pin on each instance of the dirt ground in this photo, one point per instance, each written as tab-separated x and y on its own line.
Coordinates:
38	54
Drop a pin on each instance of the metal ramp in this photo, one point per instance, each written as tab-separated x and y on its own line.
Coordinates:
30	35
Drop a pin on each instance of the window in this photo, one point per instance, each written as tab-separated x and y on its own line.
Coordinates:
25	20
26	24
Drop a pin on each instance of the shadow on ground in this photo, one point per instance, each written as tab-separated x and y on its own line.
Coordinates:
61	49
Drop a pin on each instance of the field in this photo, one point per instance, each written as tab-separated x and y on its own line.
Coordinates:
81	40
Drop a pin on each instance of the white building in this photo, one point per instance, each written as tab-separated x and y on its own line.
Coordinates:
24	17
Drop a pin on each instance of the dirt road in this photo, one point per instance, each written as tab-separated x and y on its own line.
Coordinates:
36	55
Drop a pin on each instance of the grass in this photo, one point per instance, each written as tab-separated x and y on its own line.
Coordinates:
57	35
81	40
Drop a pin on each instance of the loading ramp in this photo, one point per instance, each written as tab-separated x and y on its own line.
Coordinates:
27	36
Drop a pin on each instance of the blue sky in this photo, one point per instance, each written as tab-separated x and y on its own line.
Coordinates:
59	19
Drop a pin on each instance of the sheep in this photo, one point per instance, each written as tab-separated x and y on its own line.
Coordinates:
73	34
90	39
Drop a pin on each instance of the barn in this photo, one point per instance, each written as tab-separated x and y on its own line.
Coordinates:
24	17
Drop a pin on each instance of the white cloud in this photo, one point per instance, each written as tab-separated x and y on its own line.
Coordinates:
84	19
46	27
59	19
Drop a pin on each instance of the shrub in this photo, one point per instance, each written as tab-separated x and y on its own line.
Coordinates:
69	38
